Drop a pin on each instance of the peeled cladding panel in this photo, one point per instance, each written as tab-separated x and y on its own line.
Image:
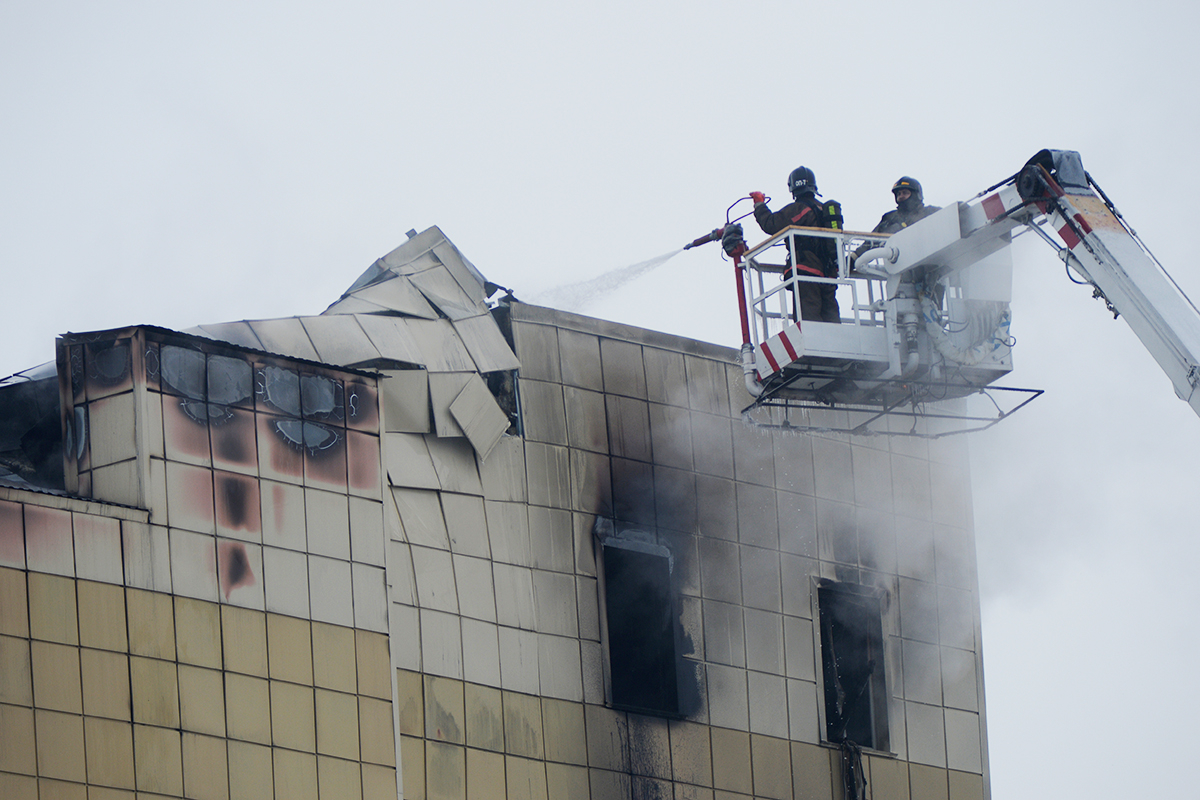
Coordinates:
443	388
400	296
440	347
284	336
455	464
486	343
355	305
339	340
233	332
480	417
440	289
392	338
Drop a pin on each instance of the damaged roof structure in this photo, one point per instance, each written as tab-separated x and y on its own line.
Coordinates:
421	546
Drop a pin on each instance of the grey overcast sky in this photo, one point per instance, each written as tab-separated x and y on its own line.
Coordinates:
180	163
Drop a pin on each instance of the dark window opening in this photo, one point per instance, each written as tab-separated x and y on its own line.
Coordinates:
851	620
640	611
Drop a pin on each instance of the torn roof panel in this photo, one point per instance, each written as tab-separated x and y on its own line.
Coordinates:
239	333
340	340
440	346
486	343
395	294
443	291
393	338
480	417
353	304
284	335
464	272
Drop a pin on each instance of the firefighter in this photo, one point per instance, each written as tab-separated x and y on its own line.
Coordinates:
910	206
815	256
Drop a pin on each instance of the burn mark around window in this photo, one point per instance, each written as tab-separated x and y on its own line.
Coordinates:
643	630
852	651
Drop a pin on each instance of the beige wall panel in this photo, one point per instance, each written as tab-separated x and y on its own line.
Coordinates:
201	700
295	775
56	681
52	614
247	708
14	603
334	665
205	768
158	760
250	772
293	717
109	748
18	753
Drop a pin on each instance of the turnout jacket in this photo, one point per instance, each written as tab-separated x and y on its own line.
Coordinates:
817	256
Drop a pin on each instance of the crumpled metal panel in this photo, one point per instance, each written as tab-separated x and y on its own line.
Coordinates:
438	342
393	338
486	343
408	461
443	291
284	336
481	419
355	305
399	295
421	516
340	340
465	274
455	464
404	395
233	332
415	248
443	388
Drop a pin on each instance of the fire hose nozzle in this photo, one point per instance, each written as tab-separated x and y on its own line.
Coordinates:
715	235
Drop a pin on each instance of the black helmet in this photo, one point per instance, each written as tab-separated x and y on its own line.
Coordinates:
913	185
802	181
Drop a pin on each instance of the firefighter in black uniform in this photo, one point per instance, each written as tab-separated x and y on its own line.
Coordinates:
910	206
816	256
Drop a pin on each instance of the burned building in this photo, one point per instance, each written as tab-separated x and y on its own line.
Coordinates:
421	547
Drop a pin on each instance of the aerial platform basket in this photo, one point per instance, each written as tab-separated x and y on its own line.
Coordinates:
909	341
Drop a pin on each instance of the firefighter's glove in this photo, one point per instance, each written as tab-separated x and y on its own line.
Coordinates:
758	198
731	240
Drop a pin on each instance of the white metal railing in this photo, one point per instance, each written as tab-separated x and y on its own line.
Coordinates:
772	304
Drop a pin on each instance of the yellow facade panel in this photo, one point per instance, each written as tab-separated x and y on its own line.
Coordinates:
337	724
523	725
445	715
379	783
251	776
56	683
374	664
289	649
155	692
205	768
16	679
14	606
151	624
102	616
485	717
338	778
333	658
410	703
52	614
158	760
563	728
18	787
109	746
198	632
295	775
201	700
105	684
244	633
247	709
376	731
445	771
59	745
17	752
293	717
412	767
485	776
731	760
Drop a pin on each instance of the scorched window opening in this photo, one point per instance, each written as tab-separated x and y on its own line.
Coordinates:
851	619
640	612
